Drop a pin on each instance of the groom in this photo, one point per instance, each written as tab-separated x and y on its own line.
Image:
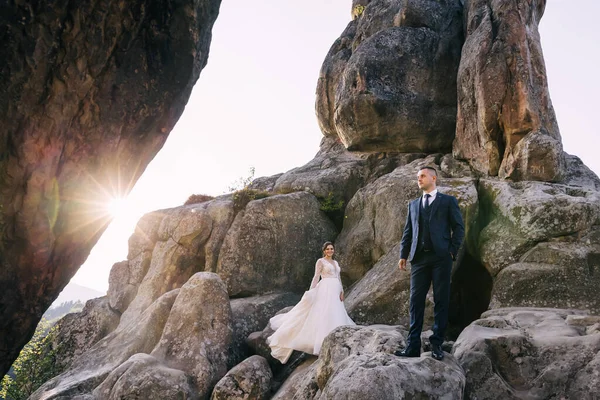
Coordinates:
432	235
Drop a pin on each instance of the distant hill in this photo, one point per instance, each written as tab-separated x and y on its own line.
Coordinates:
74	292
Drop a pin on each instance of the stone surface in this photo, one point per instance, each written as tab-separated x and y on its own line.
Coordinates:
388	82
521	353
578	174
250	314
90	369
257	342
273	244
77	332
337	173
144	377
251	379
184	336
122	289
198	333
376	215
188	240
90	94
553	274
506	125
356	362
516	216
382	295
301	383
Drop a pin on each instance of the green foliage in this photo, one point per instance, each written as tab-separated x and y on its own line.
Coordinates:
357	11
197	199
35	365
329	204
244	196
334	209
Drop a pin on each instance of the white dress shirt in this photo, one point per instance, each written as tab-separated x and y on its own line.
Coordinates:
433	193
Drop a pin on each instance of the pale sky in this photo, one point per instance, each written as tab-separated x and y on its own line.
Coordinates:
253	105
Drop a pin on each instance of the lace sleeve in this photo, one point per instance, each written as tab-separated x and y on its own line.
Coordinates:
339	269
318	269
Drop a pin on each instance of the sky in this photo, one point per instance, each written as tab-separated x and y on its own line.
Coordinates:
253	105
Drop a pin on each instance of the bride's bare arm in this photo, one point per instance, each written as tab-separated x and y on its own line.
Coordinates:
315	279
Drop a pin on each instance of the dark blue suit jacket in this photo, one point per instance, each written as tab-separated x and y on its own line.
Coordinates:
445	224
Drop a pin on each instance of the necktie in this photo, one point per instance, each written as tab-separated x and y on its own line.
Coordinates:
427	196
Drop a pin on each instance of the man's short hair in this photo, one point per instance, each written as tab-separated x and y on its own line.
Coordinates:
431	169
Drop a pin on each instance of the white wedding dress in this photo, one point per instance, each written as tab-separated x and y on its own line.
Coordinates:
319	312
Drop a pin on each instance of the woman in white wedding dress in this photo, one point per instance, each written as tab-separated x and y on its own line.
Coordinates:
320	311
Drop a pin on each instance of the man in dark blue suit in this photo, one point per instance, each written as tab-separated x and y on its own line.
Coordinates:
432	235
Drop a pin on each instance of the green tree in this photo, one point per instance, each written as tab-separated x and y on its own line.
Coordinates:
34	366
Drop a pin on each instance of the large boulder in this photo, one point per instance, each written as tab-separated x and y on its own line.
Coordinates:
561	273
356	362
90	94
251	314
186	333
144	377
77	332
578	174
382	295
301	383
388	82
92	367
273	244
197	336
518	215
521	353
506	125
188	240
125	276
335	174
251	379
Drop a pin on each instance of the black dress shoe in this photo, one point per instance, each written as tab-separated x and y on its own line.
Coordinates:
407	352
437	352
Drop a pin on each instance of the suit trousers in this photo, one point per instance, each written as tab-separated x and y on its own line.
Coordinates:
427	267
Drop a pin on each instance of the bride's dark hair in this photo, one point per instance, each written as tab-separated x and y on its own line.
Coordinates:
325	246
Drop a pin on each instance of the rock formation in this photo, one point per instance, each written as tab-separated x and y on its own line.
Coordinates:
524	311
506	125
90	92
531	353
388	82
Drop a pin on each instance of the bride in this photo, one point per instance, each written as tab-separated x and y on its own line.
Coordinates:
320	311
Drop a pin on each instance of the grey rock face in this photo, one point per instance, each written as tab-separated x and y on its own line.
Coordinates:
376	215
198	333
519	353
388	82
553	274
90	94
251	314
251	379
525	213
506	125
77	332
336	173
356	362
301	384
90	369
273	244
188	240
179	344
144	377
